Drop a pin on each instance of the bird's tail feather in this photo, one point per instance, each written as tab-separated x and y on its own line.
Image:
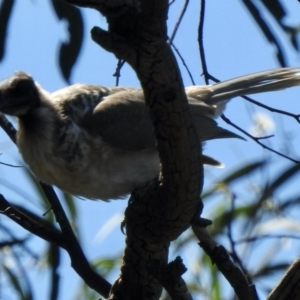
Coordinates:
261	82
267	81
208	102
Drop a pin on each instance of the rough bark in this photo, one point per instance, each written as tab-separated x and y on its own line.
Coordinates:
159	213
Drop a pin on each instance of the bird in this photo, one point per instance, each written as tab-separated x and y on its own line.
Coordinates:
98	142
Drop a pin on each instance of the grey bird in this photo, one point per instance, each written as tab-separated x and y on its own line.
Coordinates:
98	142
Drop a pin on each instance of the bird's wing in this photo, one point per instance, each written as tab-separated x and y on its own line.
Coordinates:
202	114
119	115
208	129
122	120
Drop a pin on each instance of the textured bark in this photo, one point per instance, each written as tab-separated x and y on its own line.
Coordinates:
159	213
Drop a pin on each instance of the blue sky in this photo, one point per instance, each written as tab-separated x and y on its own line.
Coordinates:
234	46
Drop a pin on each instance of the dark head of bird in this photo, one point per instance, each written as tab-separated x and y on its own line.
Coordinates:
18	94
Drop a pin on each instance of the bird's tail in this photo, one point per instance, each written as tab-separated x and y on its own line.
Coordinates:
207	102
261	82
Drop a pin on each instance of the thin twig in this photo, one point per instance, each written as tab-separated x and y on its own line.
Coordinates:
257	140
171	2
9	165
279	111
24	246
117	73
200	42
267	236
208	77
185	5
184	64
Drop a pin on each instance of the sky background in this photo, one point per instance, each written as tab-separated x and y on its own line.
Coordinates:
234	46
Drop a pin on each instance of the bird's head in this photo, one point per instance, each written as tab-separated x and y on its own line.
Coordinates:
18	94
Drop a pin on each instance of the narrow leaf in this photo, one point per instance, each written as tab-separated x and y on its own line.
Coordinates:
5	15
70	49
266	29
281	179
275	8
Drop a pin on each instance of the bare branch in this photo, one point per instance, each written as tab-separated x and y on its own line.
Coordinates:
217	253
39	229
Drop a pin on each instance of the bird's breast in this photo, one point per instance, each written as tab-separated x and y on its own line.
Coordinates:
86	166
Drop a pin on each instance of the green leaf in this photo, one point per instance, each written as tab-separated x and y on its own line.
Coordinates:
237	174
16	283
266	29
281	179
271	269
294	39
42	197
5	16
69	200
275	8
106	265
70	50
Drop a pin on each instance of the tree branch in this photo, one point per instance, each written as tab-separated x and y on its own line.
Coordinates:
163	210
39	229
220	257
